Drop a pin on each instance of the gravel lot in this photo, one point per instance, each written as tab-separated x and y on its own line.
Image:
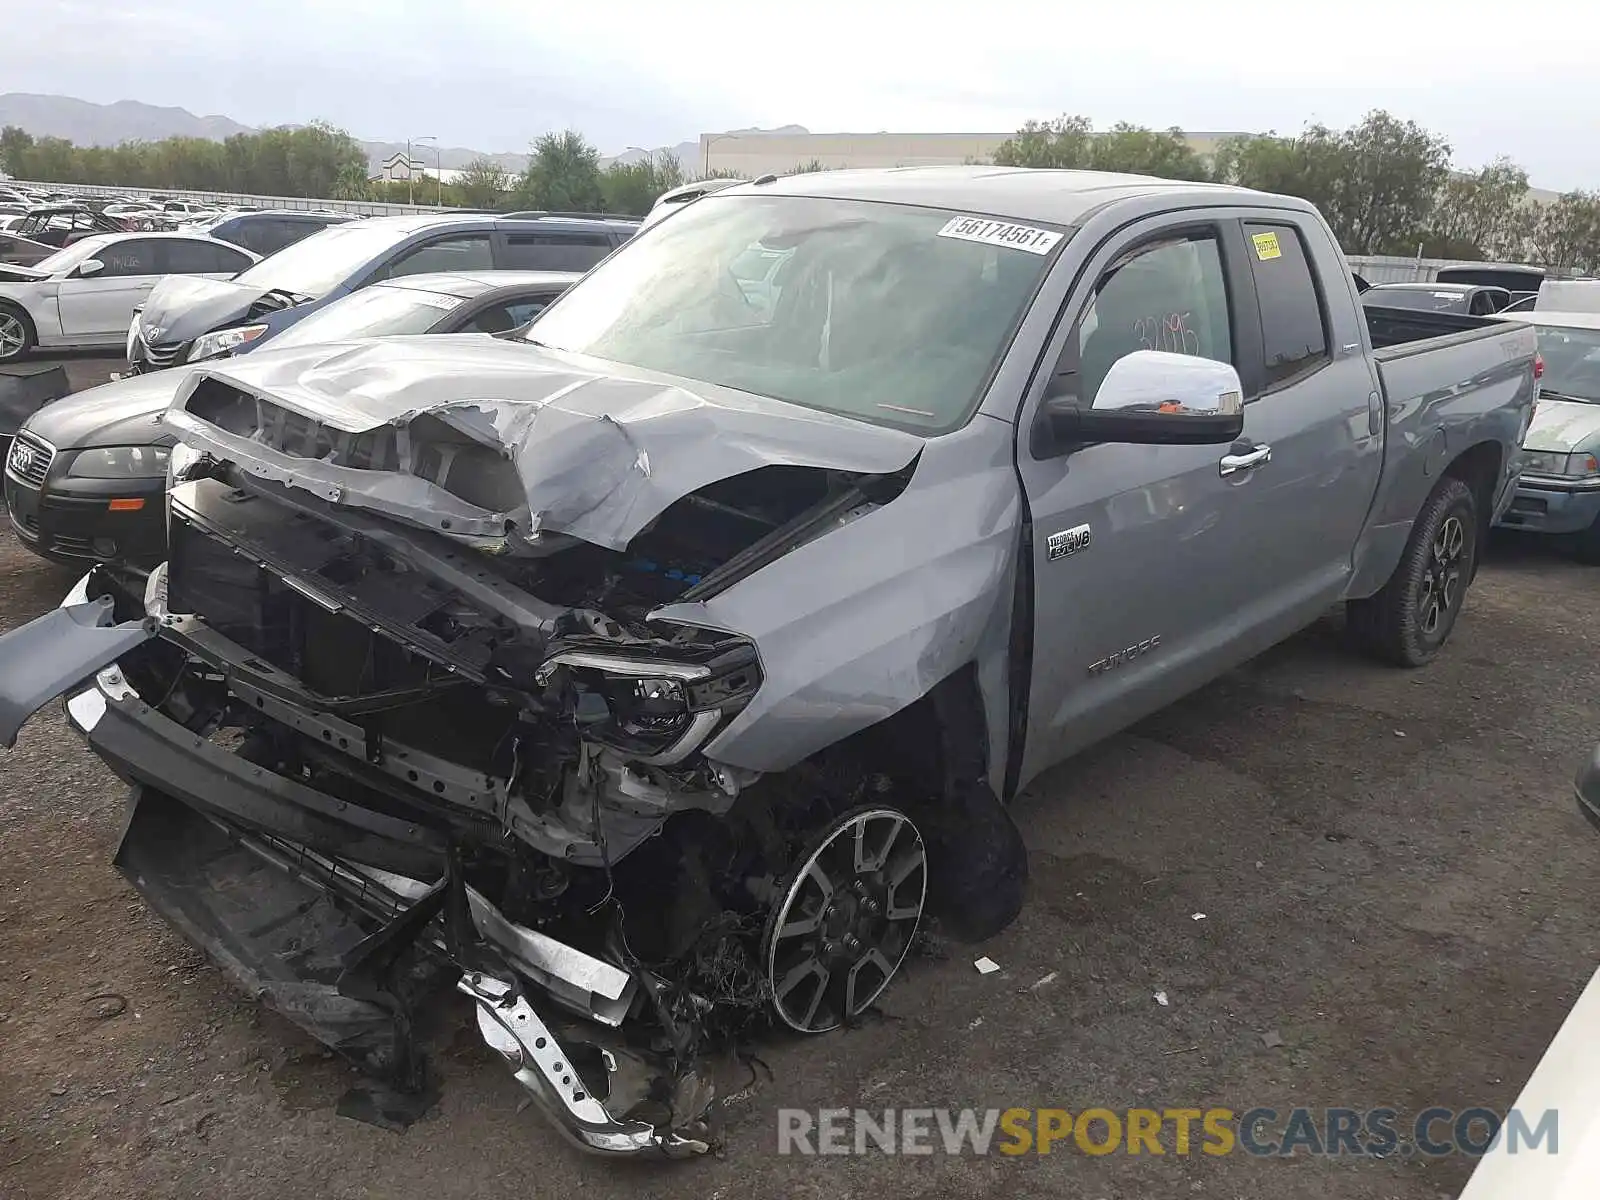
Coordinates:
1394	877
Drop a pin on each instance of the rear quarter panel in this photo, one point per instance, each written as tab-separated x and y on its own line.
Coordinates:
1442	397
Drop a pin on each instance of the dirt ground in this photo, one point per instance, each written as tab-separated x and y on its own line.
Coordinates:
1395	881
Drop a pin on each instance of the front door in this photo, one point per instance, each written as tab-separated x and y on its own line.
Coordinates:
1157	568
1139	564
100	307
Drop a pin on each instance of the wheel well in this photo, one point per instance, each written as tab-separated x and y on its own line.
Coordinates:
940	743
1479	468
12	306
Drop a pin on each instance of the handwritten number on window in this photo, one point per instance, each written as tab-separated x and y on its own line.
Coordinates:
1169	332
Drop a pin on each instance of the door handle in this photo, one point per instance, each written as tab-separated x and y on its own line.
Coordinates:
1254	457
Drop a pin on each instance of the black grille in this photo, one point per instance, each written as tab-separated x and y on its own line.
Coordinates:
161	355
29	459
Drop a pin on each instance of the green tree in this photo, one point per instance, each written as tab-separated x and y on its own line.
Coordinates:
563	175
1393	172
633	187
16	150
1063	142
1378	183
1566	232
483	182
1134	150
1307	166
1483	215
1071	143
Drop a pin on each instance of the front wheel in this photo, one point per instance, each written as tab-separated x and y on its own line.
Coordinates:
16	333
1408	622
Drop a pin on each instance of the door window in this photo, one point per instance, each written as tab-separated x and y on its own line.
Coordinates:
462	252
201	258
502	318
556	251
1167	295
1294	335
134	256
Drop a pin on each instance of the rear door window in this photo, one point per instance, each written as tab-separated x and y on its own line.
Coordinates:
457	252
201	258
1293	325
555	251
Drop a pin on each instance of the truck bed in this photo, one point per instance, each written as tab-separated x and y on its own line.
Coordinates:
1404	329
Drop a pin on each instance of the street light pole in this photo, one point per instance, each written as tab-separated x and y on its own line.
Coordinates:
439	156
410	188
705	151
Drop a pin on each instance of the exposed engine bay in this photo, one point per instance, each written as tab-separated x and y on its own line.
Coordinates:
431	698
527	716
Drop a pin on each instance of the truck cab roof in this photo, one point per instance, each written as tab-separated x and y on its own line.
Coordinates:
1057	197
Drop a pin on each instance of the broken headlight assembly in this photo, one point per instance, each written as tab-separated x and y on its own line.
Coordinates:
656	711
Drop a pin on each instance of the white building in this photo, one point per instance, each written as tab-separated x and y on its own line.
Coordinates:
398	169
751	155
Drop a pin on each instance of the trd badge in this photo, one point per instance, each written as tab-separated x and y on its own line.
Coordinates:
1068	541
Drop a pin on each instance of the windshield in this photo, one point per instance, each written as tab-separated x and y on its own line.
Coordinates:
380	311
61	260
316	265
1571	362
884	312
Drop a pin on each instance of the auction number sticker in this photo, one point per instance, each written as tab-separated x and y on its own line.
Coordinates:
1001	233
1266	246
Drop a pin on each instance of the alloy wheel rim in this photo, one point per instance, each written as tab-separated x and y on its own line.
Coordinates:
12	336
1441	577
847	920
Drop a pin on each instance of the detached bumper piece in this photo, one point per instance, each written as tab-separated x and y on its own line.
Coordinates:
363	958
544	1065
1587	788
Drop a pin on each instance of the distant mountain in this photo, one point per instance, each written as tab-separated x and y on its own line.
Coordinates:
107	124
88	124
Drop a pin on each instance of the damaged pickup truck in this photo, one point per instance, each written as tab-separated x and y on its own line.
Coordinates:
650	673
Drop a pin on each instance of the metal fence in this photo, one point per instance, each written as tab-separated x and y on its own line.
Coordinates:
365	208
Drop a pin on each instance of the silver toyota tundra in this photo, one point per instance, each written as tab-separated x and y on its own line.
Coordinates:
650	673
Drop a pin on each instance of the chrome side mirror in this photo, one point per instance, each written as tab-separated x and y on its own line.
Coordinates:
1152	397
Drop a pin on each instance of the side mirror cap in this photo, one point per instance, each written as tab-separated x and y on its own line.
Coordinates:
90	266
1151	398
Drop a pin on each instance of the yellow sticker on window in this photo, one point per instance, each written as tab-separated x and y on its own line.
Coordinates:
1266	246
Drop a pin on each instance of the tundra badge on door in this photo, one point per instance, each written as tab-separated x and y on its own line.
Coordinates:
1068	541
1126	655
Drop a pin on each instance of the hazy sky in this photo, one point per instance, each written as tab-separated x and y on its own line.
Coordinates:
492	74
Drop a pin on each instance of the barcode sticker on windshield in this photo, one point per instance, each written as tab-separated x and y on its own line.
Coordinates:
1001	233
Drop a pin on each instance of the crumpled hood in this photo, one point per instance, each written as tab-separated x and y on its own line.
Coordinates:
182	307
600	449
121	413
1563	425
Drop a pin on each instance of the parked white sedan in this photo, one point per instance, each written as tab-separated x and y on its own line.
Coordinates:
84	296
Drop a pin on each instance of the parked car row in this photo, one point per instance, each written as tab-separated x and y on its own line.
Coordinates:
86	474
650	671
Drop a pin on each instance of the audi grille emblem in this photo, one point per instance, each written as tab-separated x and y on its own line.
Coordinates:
21	456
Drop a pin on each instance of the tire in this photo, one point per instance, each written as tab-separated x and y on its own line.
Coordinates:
1408	622
16	333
